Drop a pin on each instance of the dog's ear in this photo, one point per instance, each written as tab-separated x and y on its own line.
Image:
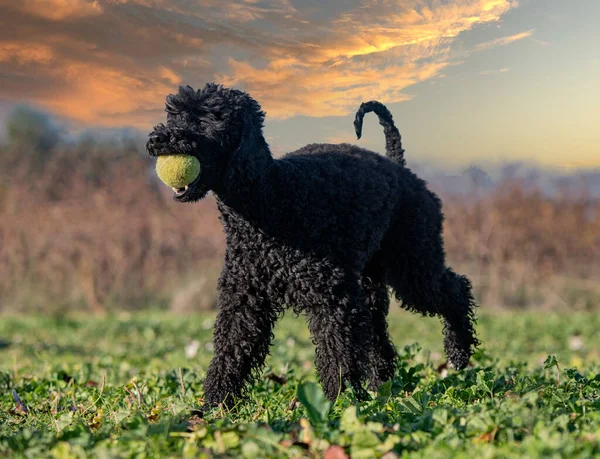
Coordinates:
252	153
177	103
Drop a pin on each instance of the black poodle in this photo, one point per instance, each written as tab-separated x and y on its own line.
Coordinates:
324	230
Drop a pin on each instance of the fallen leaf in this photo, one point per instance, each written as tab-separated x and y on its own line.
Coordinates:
335	452
20	406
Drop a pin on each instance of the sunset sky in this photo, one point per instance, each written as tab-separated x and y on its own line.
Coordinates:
467	80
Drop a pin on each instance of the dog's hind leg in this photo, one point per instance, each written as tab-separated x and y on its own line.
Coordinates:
459	317
445	294
418	274
383	359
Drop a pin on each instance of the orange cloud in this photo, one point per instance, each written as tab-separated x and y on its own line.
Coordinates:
491	72
24	53
286	89
93	93
108	97
373	52
170	76
237	11
118	60
504	40
60	9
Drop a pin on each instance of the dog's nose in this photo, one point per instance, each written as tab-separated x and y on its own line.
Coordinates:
157	137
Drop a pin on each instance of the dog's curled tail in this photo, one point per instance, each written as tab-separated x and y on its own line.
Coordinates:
393	140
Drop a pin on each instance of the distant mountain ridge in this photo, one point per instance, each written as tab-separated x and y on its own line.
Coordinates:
479	180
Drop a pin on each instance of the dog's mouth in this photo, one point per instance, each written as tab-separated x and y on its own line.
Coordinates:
181	191
192	192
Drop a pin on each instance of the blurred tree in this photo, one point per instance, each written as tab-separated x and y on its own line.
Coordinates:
31	136
32	128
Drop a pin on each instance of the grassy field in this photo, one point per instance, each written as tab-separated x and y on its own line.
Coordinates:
128	386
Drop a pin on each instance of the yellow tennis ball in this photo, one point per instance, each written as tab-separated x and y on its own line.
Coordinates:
177	171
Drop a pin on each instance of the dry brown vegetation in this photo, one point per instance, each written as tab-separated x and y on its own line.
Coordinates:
92	229
524	249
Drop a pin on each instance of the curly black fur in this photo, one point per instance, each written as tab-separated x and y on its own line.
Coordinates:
324	230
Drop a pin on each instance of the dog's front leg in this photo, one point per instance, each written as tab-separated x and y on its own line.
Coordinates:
242	336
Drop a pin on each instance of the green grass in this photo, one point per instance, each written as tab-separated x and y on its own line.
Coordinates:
123	386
